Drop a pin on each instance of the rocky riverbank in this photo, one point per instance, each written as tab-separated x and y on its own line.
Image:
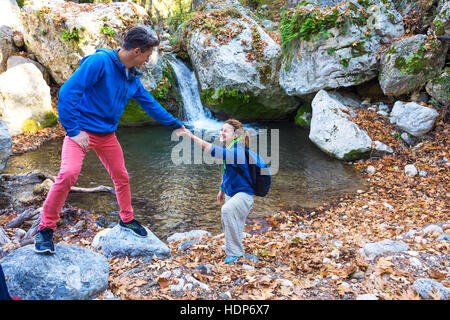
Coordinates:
388	242
372	88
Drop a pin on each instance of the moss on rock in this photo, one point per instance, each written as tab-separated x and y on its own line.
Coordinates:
235	103
134	115
303	116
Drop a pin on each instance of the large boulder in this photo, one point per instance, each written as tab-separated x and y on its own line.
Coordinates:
338	46
119	242
408	63
441	23
9	15
26	99
237	64
72	273
7	47
5	144
413	118
334	133
60	33
439	88
15	60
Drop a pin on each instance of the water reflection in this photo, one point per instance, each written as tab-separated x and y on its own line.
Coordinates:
174	198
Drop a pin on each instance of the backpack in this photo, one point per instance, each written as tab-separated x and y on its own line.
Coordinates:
259	172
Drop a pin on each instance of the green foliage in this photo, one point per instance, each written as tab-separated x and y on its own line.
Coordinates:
30	125
107	31
345	61
331	51
166	83
415	63
307	24
303	116
20	3
134	115
49	120
358	48
71	36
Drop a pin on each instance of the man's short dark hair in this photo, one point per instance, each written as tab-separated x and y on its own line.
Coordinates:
139	37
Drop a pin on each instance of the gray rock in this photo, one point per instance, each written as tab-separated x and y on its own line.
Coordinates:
394	81
120	242
373	249
223	66
423	286
9	15
441	23
204	268
16	60
21	102
5	145
61	57
186	245
71	273
410	170
310	67
251	257
371	169
443	237
413	118
335	134
193	234
438	88
7	47
408	138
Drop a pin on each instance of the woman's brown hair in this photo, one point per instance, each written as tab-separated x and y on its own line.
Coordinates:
239	130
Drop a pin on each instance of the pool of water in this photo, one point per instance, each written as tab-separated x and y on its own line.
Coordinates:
176	198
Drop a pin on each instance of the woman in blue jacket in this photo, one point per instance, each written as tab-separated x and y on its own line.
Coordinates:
235	189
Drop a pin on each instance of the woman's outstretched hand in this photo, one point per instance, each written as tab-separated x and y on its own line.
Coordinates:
221	196
182	131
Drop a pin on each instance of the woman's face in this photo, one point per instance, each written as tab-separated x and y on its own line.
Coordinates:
226	135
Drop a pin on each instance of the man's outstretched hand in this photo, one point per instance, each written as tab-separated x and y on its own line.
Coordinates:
82	139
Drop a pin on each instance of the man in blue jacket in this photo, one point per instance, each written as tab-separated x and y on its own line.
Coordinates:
90	105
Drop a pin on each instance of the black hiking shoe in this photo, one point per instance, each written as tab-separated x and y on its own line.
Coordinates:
134	226
43	242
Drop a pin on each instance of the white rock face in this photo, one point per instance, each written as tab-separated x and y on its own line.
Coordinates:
9	14
220	63
413	118
16	60
333	132
60	33
25	95
320	63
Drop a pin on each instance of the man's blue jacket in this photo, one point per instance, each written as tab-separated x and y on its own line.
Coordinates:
94	97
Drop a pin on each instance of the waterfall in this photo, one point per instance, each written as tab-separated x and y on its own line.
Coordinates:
196	115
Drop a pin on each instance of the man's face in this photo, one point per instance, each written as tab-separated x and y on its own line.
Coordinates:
140	58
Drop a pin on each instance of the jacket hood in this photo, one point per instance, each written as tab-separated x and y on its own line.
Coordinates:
112	53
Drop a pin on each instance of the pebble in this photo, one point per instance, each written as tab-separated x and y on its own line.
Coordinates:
387	205
370	169
432	228
423	286
410	170
247	267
